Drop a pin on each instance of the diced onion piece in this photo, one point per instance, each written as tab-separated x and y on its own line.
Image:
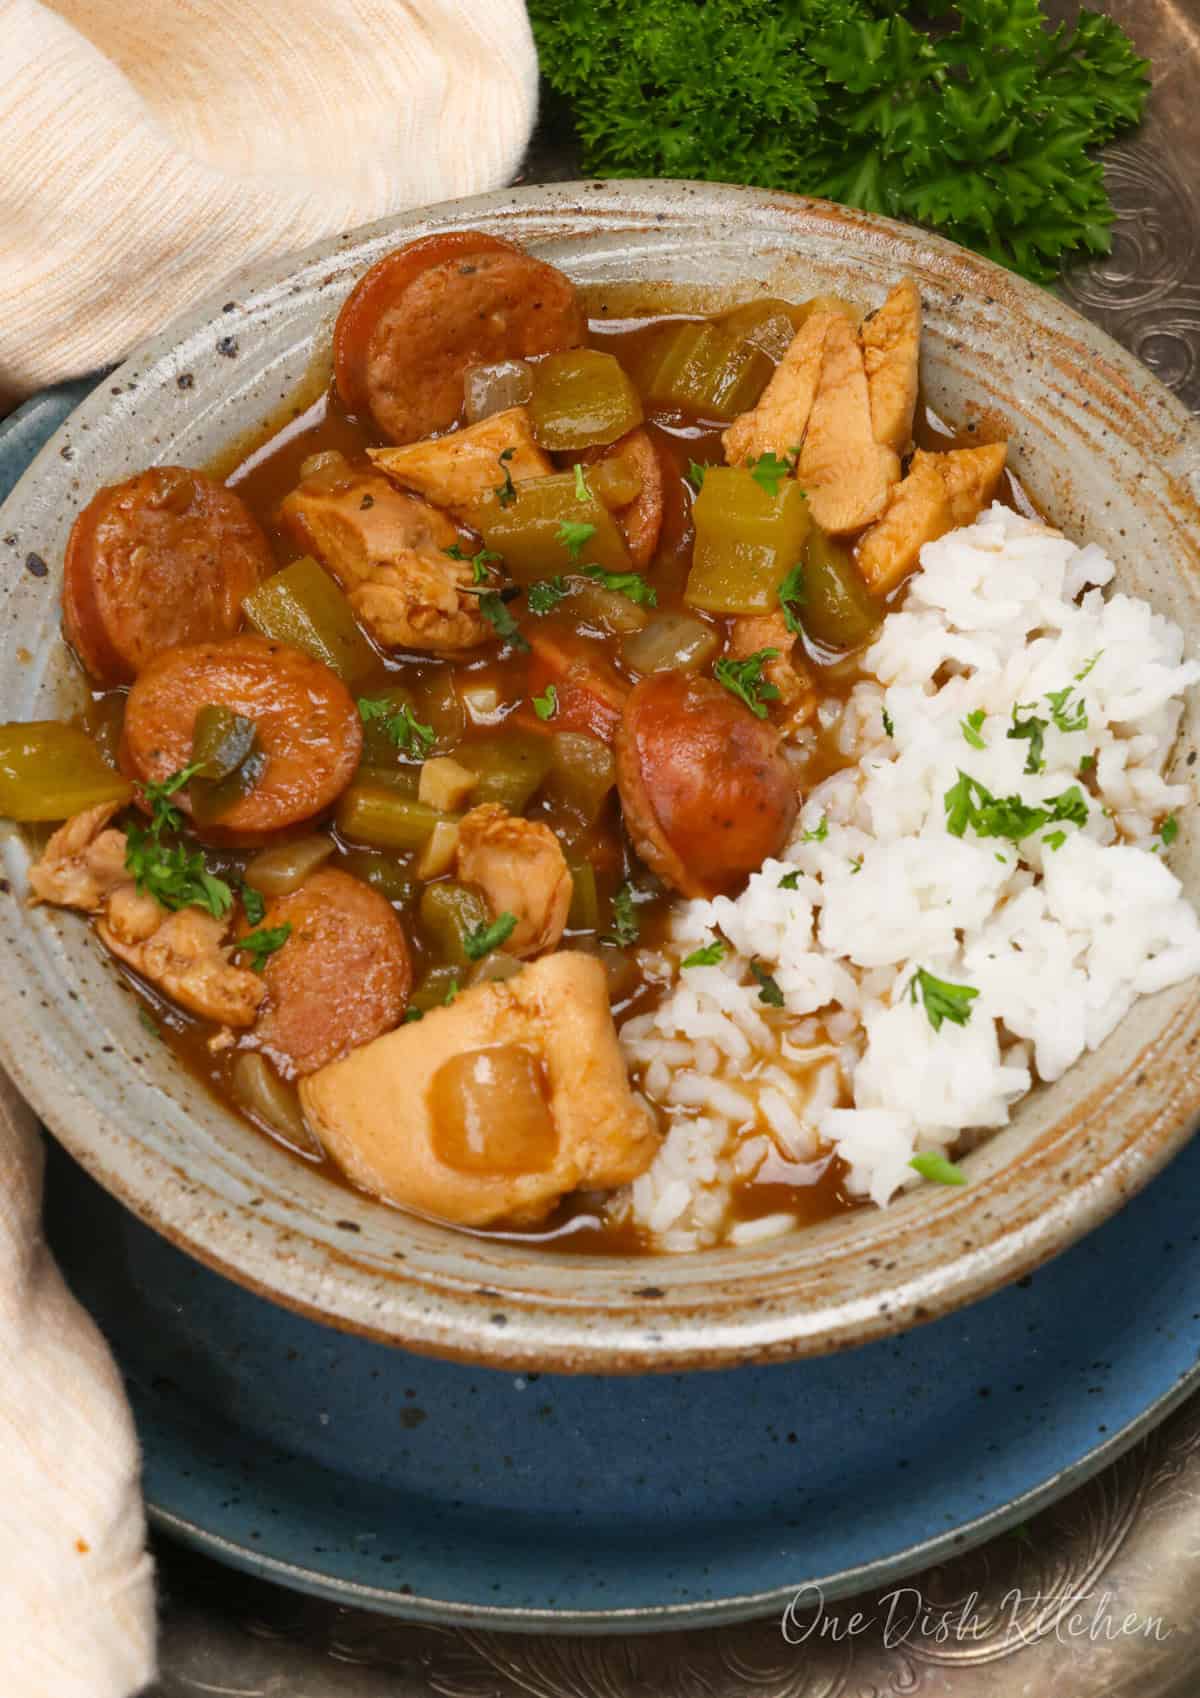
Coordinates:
441	846
273	1103
284	868
482	702
674	642
445	784
604	610
494	969
491	1114
494	388
330	466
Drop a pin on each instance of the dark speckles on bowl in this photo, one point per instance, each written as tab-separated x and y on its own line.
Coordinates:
1129	459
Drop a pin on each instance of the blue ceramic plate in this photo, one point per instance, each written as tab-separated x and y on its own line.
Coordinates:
445	1493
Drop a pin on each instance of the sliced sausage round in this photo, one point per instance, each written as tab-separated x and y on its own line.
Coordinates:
308	726
422	315
341	977
705	788
641	521
163	559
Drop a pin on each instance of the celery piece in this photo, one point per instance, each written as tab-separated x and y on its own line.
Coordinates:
747	541
582	399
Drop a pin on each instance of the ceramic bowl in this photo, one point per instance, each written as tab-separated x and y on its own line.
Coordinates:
1103	447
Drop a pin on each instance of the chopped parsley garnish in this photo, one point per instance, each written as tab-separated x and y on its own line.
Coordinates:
411	1015
942	1001
452	990
889	724
506	492
1033	731
546	705
630	584
768	990
401	725
573	534
970	727
546	593
479	562
931	1164
259	944
1087	666
819	832
792	594
625	926
769	471
744	679
255	904
484	938
174	875
1168	831
856	865
706	956
582	492
1067	718
695	474
1054	839
495	611
790	881
1087	763
970	803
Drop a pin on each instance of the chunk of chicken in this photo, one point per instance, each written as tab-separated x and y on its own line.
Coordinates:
520	867
493	1108
846	472
183	956
82	862
891	344
940	492
798	698
387	549
778	420
456	471
83	866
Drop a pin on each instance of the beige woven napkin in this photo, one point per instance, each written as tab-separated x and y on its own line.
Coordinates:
148	148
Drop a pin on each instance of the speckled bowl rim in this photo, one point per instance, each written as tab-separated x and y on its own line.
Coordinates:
1033	1192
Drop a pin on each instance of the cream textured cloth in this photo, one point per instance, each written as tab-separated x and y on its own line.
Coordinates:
76	1599
150	147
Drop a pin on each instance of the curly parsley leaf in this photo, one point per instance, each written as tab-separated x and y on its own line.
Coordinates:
943	1001
506	492
971	727
695	474
790	881
889	724
176	876
819	832
793	593
706	956
582	492
1168	831
970	803
744	679
977	119
572	534
254	903
495	611
546	705
1067	715
770	470
630	584
931	1164
259	944
768	989
1033	731
1087	666
625	926
402	726
546	593
482	939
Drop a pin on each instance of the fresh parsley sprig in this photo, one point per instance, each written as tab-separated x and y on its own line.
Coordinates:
482	939
744	679
176	876
630	584
260	944
401	725
943	1001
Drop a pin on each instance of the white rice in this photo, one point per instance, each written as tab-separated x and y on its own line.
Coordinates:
1057	941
